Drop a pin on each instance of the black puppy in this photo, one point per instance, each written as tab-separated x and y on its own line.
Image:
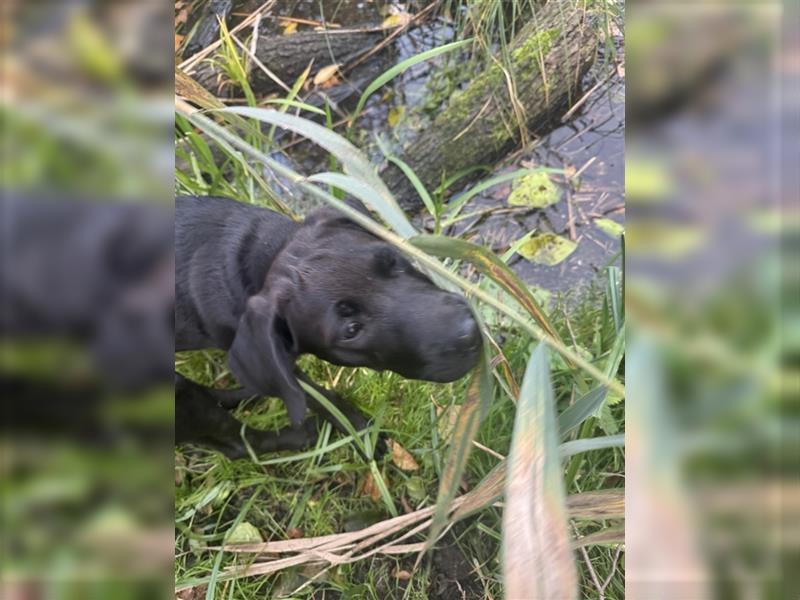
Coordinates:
267	289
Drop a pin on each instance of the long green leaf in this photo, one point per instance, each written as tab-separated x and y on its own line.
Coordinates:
537	558
285	103
396	70
470	416
353	161
415	181
583	408
491	266
359	189
338	415
587	444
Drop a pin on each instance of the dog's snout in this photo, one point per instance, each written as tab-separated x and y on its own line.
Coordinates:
468	336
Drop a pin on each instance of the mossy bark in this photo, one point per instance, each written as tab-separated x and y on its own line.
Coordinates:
480	124
287	56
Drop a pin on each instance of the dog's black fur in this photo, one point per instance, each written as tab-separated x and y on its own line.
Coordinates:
267	289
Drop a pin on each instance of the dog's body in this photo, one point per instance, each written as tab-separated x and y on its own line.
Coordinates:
267	289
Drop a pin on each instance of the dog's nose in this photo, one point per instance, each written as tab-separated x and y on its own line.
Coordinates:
468	336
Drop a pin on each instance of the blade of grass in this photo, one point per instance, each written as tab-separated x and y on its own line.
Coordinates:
491	266
537	558
574	447
338	415
412	177
353	162
583	408
212	584
366	194
457	203
377	477
396	70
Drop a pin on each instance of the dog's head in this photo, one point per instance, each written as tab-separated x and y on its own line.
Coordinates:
346	296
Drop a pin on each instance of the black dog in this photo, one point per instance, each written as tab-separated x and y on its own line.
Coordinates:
267	289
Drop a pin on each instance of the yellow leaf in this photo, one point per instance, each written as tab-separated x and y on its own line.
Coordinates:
290	28
401	457
325	73
370	488
394	115
399	19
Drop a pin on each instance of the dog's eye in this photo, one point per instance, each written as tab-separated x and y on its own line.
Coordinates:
345	308
352	330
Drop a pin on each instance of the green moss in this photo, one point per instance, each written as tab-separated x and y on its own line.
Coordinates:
536	46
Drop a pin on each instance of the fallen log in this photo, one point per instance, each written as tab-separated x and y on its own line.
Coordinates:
287	56
480	124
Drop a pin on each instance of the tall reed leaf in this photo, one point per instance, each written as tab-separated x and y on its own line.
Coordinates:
387	76
487	263
470	416
537	557
583	408
353	161
367	195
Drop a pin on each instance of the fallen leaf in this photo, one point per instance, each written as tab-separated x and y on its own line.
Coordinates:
536	189
416	488
395	113
243	533
193	593
370	488
290	28
399	19
325	73
610	228
401	457
547	249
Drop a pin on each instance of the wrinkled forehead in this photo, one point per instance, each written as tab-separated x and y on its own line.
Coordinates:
346	260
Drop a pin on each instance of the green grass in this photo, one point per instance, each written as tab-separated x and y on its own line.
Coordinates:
322	495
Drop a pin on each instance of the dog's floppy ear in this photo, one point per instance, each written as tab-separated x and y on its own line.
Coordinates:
261	359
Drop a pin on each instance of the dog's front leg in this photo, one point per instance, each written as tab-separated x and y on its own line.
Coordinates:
356	418
200	419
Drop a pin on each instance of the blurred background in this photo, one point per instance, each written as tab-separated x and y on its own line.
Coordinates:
711	158
86	296
713	436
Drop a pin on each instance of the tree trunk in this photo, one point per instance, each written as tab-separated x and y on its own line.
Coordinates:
479	124
287	56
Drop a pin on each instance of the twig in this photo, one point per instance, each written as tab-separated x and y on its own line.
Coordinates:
192	61
488	450
613	567
260	65
592	574
570	215
585	97
580	171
